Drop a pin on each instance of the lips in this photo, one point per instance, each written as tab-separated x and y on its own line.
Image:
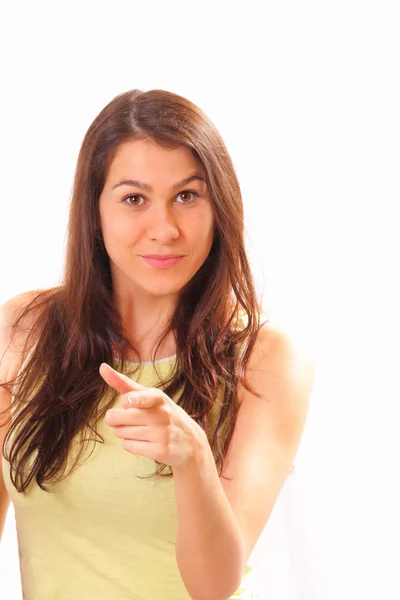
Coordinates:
163	261
162	256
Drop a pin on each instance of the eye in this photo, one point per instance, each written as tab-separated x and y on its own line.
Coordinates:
133	203
190	200
136	203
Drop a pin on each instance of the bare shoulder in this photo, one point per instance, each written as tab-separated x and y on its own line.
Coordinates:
281	368
12	343
278	346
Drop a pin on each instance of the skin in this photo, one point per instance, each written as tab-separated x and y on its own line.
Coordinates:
165	220
168	219
213	513
150	423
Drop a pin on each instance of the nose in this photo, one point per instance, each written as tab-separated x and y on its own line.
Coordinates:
162	225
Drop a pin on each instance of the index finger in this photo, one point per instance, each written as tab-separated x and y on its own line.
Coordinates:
118	381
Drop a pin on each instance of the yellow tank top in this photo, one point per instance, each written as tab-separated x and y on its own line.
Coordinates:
104	534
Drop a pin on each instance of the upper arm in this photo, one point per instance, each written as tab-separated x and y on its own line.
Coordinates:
268	429
11	358
8	355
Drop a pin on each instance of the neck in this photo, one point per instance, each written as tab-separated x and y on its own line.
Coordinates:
144	320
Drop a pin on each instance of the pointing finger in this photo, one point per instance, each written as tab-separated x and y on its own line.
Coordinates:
142	399
118	381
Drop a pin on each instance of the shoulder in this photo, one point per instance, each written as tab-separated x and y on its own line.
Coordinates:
281	368
12	309
277	344
13	343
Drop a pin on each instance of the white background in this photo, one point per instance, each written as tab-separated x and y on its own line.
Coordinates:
306	96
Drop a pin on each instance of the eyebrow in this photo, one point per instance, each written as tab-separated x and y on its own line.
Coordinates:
145	186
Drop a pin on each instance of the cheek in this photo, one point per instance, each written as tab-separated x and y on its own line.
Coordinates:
201	229
119	232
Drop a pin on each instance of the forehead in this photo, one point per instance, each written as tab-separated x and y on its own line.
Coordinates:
141	157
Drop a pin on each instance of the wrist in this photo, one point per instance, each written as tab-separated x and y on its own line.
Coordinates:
200	457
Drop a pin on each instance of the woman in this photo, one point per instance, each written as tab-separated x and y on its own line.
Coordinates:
155	414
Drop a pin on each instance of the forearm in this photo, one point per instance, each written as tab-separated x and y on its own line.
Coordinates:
210	548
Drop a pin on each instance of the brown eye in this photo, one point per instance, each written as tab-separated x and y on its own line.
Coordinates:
135	196
188	193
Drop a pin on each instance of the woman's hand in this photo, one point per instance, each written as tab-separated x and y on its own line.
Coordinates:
151	424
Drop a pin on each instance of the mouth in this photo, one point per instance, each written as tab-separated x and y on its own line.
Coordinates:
163	261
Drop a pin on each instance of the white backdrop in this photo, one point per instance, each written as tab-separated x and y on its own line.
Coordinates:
306	96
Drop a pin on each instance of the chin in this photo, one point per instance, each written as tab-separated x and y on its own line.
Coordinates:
162	290
161	293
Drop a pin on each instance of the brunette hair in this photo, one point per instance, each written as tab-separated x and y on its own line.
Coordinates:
58	392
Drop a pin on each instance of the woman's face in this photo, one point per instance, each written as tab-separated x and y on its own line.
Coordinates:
149	210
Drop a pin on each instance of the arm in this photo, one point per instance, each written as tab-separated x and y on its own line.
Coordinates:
210	549
5	400
219	521
11	357
6	319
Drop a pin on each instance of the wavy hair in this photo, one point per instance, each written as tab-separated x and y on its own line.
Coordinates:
58	392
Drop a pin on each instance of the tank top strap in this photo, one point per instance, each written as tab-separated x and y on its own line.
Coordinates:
242	320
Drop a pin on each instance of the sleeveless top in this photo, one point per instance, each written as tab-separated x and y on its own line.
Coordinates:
103	532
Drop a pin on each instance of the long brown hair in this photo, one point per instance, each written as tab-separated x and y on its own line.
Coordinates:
58	392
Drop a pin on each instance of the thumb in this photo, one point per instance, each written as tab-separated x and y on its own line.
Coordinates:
119	381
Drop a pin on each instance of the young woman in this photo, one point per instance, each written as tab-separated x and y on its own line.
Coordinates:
150	414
